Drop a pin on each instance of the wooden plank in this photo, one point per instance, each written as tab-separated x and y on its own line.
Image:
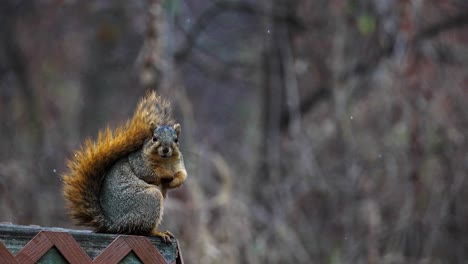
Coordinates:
115	252
5	255
34	249
15	237
145	250
69	248
180	259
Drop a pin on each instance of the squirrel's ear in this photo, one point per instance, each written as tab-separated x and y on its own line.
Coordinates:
152	127
177	129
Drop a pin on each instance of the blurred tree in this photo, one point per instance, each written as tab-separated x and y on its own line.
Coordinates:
314	131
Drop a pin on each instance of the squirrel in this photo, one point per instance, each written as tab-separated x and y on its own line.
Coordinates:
118	183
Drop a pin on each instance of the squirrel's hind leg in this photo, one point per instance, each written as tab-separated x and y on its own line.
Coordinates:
165	235
132	209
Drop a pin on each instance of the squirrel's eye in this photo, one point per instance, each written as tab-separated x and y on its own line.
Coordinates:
155	139
176	140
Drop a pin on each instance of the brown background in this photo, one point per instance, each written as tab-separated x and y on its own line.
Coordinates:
314	131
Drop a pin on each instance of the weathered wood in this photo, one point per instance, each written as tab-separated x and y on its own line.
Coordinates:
180	259
7	257
59	247
144	250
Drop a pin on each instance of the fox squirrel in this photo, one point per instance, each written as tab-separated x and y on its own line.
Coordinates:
118	183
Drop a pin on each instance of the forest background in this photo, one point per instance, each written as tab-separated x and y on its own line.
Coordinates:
314	131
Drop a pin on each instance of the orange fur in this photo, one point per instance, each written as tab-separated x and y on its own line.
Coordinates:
87	168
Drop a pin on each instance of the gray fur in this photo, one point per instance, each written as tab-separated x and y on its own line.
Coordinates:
164	139
129	204
130	198
139	165
165	135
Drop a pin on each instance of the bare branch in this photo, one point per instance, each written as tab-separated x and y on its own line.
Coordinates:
454	22
306	105
217	9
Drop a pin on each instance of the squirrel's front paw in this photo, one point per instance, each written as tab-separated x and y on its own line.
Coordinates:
179	178
166	181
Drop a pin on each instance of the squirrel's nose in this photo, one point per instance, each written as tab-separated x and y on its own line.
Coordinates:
165	150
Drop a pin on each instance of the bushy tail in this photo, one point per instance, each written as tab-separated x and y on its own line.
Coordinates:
82	183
